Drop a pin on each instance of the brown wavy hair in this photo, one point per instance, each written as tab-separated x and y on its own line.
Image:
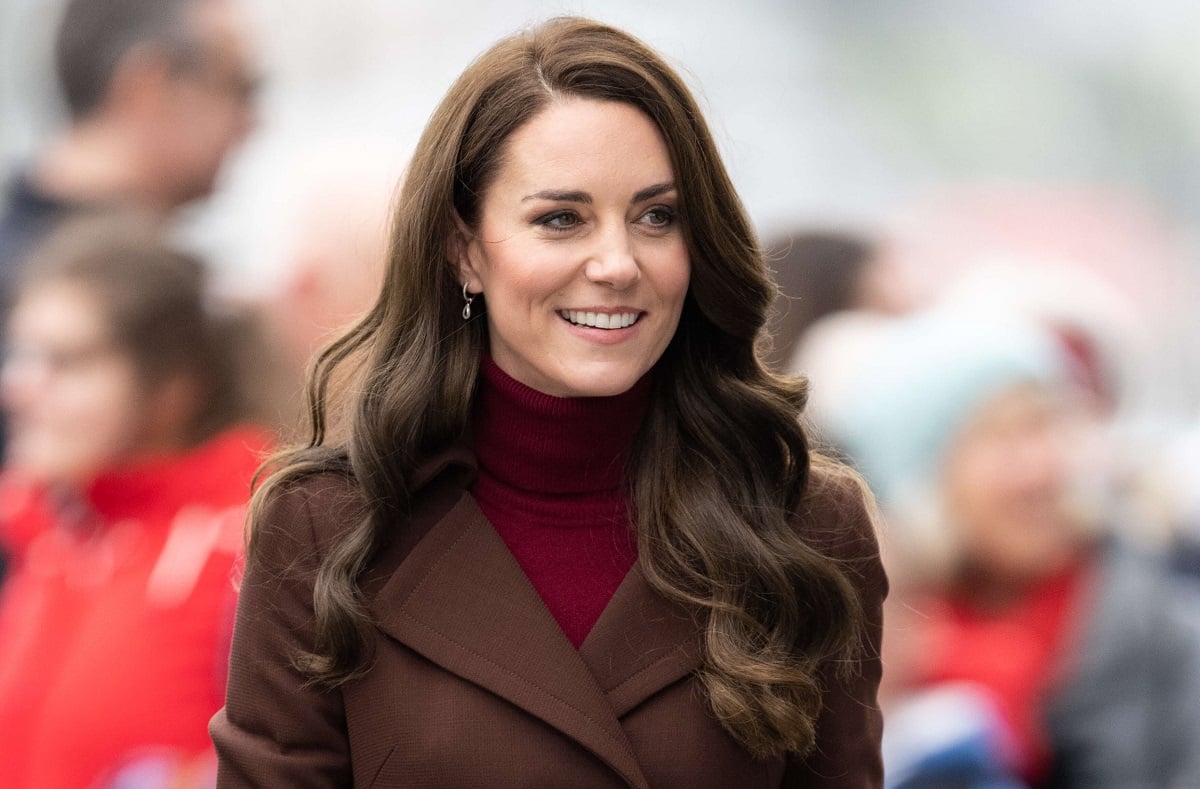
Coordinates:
721	461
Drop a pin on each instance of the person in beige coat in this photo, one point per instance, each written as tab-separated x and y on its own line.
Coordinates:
557	524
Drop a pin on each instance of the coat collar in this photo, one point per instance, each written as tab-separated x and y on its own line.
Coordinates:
460	599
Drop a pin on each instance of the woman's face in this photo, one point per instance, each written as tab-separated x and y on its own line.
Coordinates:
72	398
1008	481
578	251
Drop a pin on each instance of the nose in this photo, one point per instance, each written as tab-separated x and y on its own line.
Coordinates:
1040	459
612	261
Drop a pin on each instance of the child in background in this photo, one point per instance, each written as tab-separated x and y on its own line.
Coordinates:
121	504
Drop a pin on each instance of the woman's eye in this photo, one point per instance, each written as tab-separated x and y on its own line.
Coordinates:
559	220
659	217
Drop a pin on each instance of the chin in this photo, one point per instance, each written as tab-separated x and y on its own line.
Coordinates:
602	383
598	378
585	388
606	390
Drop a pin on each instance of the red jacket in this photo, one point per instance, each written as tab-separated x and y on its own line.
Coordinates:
115	615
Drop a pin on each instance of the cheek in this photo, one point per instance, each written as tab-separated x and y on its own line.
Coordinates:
109	406
669	275
202	130
76	433
515	291
207	142
520	280
518	265
973	484
676	281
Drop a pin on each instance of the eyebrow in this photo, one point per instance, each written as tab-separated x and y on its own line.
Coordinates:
650	192
560	196
577	196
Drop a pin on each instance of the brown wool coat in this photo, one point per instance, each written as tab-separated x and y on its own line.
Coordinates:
474	684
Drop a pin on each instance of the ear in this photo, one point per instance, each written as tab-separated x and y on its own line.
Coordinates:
462	250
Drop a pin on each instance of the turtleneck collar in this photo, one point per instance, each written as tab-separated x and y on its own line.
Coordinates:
554	445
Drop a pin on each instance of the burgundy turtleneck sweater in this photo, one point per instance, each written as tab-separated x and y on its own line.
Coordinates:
551	481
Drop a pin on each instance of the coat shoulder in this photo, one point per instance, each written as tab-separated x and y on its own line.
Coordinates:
837	513
304	516
302	521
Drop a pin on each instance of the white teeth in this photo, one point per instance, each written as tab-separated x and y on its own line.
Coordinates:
601	320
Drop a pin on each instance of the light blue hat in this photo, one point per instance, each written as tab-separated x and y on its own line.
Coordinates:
925	377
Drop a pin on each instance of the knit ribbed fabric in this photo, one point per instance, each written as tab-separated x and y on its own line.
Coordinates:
552	482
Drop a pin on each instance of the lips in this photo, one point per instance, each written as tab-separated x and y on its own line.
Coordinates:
601	320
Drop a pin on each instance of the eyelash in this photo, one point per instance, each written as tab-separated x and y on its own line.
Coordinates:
668	218
548	221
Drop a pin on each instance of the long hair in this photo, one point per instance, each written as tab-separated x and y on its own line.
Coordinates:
721	461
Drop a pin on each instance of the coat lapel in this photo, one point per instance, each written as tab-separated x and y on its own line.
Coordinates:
462	601
641	643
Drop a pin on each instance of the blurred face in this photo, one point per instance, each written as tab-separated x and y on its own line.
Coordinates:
1007	482
208	106
884	286
579	253
71	397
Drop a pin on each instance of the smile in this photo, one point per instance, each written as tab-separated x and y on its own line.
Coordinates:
601	320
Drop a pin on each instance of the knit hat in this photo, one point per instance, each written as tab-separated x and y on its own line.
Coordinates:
924	378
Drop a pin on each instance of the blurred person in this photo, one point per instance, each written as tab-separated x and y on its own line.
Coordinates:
819	272
1074	652
1100	329
1175	468
558	525
157	93
122	503
329	246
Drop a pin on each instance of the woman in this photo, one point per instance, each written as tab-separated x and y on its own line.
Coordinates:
566	533
121	503
1058	653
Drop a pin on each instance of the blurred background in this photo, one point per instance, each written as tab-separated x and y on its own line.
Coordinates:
1032	157
1056	129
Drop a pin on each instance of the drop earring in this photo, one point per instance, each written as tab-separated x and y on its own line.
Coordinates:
468	298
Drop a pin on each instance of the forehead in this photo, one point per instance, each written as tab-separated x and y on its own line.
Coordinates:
583	139
1014	408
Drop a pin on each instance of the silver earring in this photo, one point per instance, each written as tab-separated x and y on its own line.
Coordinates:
468	298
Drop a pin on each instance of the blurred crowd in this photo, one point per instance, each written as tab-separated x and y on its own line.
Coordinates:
1044	552
1044	622
139	399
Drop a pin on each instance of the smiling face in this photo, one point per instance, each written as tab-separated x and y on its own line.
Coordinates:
1007	483
578	250
74	400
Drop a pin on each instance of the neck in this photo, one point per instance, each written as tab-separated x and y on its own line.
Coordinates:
987	588
535	442
552	482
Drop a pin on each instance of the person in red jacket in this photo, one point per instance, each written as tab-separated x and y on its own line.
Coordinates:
121	504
